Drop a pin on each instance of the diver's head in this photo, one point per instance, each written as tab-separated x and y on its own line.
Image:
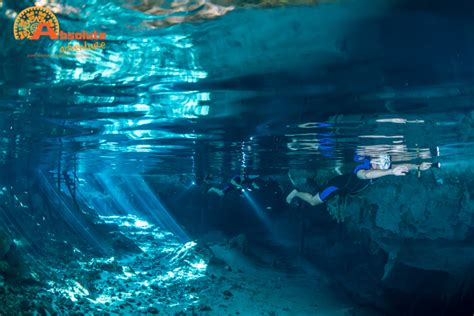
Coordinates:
382	162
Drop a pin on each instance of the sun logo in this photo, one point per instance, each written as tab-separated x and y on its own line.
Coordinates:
34	22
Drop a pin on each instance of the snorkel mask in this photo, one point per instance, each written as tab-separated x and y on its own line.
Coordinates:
383	161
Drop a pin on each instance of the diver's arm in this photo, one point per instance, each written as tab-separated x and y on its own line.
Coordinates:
374	174
235	184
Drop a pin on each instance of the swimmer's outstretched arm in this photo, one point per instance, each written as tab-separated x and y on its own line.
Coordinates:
376	173
423	166
398	170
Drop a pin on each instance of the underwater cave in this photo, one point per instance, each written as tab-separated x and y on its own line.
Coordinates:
224	157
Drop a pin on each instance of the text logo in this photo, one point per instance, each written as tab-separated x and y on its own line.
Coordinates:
34	22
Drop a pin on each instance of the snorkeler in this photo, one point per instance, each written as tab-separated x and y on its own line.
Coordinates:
359	179
239	182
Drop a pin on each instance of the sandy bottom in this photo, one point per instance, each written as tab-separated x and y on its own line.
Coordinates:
259	288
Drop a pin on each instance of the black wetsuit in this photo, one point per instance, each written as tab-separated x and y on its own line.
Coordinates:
346	184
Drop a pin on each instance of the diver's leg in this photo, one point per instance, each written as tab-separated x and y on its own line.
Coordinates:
331	189
307	197
311	199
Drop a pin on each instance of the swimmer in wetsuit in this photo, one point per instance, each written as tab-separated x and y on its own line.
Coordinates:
238	182
359	179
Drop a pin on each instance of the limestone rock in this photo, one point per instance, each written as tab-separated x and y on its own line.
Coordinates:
5	243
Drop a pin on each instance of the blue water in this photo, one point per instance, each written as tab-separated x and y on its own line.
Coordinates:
187	89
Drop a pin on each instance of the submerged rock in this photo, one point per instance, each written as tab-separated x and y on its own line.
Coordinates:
108	265
153	310
205	308
240	242
406	229
4	267
227	293
124	245
5	243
